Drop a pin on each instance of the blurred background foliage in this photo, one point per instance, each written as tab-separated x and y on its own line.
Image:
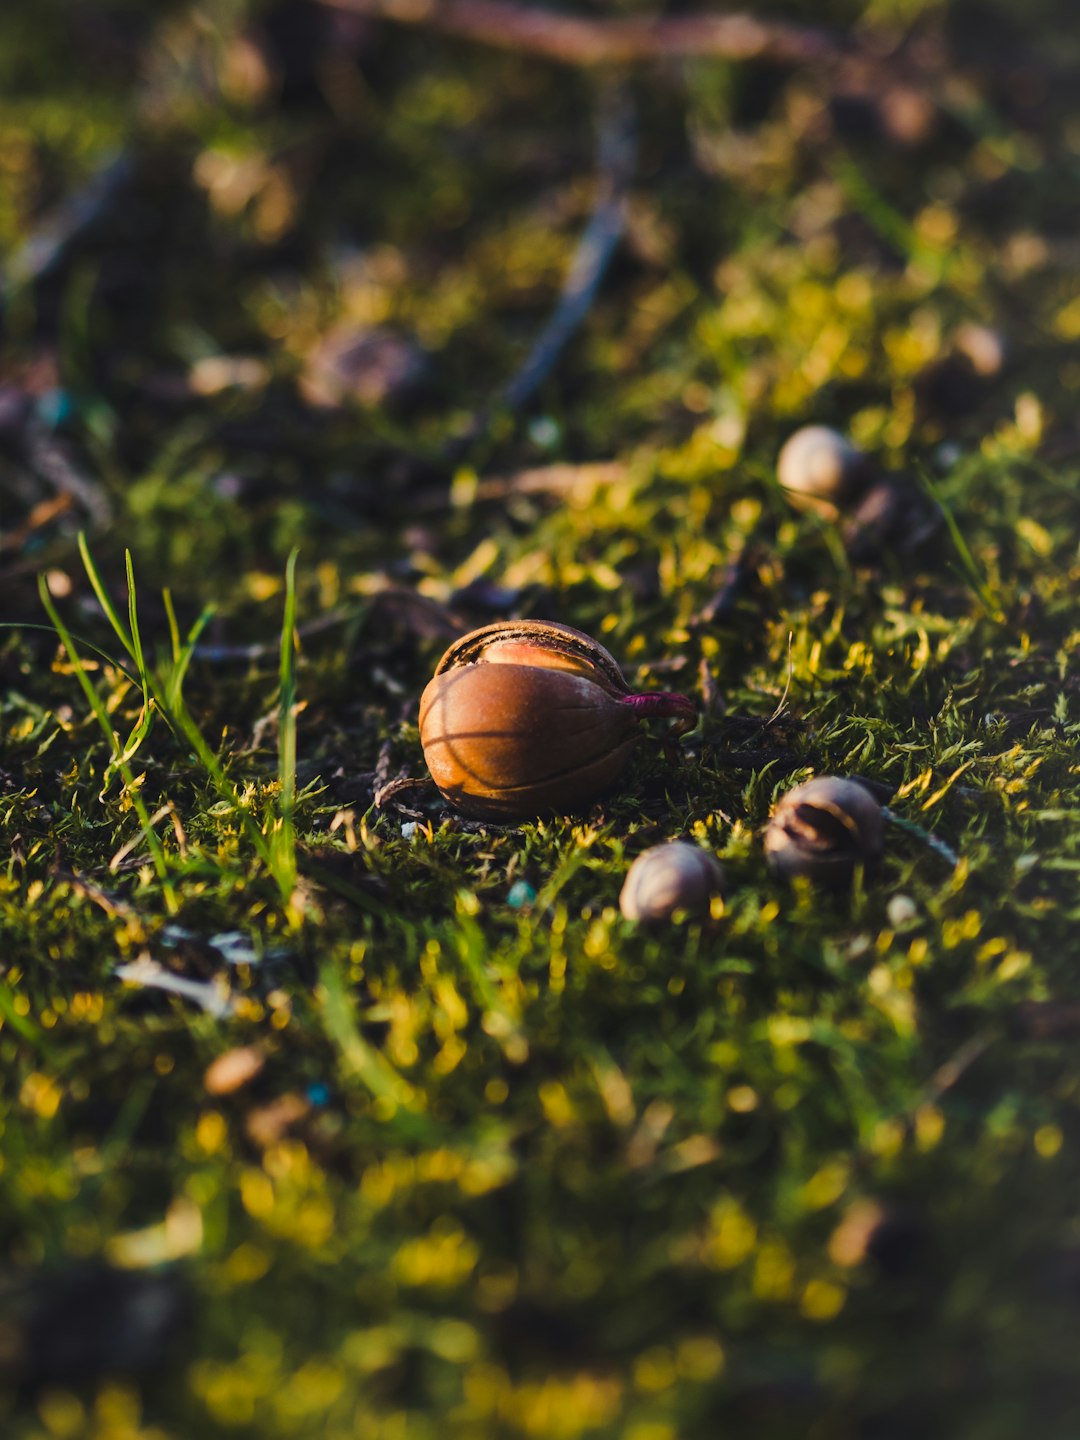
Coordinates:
313	221
481	1159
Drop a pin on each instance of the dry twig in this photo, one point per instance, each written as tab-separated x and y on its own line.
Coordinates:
561	480
937	845
615	166
956	1067
577	40
736	578
54	462
51	246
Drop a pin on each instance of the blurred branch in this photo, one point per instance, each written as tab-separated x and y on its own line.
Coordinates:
46	249
599	240
615	160
575	40
561	479
55	463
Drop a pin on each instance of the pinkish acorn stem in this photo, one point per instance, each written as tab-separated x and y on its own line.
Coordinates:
664	705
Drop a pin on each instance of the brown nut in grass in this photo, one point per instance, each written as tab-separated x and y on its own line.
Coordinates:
820	470
527	717
823	829
668	878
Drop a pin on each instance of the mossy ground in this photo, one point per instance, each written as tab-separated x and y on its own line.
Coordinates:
512	1167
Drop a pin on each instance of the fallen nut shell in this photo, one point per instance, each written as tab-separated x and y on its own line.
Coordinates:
527	717
233	1069
983	347
824	829
369	367
893	515
821	470
671	877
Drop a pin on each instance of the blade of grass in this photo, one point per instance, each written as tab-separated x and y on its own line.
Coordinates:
93	699
182	650
324	876
276	851
128	637
890	224
169	696
355	1056
20	1024
191	644
285	832
174	628
183	724
80	639
975	579
119	760
103	598
133	618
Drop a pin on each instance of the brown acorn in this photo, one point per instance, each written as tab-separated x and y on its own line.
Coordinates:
823	829
527	717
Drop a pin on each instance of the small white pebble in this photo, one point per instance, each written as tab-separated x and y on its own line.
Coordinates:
948	454
545	432
409	829
901	909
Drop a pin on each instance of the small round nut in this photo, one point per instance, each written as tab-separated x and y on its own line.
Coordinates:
824	829
668	878
820	469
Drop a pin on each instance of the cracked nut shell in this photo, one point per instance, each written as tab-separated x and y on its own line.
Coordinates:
893	514
824	829
528	717
671	877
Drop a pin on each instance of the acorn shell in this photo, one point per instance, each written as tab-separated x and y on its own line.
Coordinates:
823	829
821	470
668	878
536	642
511	741
892	515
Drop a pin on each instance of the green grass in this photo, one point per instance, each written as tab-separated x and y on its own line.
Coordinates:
512	1167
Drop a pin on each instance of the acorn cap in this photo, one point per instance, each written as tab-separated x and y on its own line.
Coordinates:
671	877
536	642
